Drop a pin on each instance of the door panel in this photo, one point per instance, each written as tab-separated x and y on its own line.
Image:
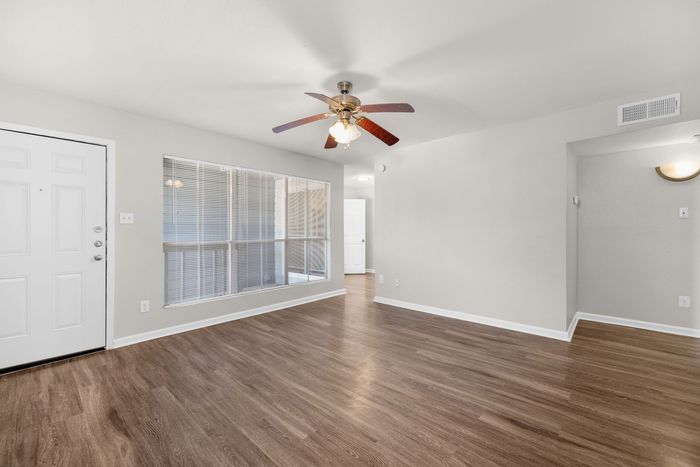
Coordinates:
68	163
12	157
14	314
67	300
14	211
52	287
354	218
68	215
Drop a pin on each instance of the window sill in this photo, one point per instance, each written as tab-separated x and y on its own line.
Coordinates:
243	294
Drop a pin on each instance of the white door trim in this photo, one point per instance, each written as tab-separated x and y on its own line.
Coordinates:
110	146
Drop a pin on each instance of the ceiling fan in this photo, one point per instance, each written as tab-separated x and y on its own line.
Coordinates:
347	108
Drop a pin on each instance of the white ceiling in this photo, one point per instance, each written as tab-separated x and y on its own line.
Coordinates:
657	136
241	67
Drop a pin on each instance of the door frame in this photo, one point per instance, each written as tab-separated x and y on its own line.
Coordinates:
110	147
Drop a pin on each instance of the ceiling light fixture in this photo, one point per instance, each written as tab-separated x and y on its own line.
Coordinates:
344	132
348	108
679	171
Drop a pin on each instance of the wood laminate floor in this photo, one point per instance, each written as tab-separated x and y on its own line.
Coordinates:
344	381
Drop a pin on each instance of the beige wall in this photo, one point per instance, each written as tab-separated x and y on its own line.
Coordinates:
140	143
636	256
477	222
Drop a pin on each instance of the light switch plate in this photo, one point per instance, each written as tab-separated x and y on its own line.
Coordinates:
126	217
683	213
145	306
684	301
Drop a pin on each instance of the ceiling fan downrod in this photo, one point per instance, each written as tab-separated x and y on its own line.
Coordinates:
344	87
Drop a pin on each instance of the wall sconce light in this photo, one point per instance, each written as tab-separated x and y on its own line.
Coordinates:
679	171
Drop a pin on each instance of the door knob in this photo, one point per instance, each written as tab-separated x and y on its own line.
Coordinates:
363	240
98	243
97	257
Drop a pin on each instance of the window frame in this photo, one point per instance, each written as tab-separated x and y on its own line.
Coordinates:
232	242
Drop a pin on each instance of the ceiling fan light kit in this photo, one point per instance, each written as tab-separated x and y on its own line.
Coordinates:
346	108
344	132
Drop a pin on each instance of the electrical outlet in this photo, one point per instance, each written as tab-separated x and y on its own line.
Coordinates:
684	301
397	283
145	306
683	213
381	278
126	217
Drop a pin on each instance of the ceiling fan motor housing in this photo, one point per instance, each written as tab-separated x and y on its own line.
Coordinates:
348	102
344	87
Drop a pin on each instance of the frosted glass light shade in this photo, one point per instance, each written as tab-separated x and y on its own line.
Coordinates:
343	133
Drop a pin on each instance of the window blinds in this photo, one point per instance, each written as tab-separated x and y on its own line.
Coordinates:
228	230
259	242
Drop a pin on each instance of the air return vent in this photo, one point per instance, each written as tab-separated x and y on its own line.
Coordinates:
651	109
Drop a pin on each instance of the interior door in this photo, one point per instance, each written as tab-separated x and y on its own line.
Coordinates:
52	247
354	236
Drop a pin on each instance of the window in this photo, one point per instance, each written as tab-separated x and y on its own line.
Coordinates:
228	231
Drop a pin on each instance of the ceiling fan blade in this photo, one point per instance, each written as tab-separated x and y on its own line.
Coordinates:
325	99
387	108
330	142
376	130
301	121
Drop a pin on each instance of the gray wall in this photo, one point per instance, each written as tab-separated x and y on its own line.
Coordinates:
140	143
636	255
477	222
366	193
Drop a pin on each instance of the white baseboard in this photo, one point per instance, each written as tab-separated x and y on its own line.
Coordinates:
572	327
499	323
169	331
371	271
633	323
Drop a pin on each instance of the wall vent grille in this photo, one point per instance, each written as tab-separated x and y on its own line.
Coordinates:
651	109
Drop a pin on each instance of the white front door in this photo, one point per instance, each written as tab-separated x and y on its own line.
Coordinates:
52	247
354	236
